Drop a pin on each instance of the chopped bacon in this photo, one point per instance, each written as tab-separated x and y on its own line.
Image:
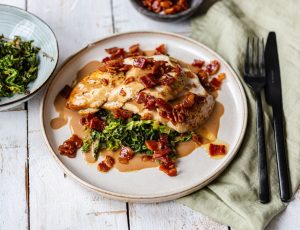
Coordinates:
134	48
105	81
65	92
162	104
106	164
161	153
122	113
217	150
215	83
140	62
169	168
196	138
126	154
109	161
106	59
213	67
86	119
164	140
97	124
129	80
149	81
178	70
152	145
146	116
198	63
160	68
70	146
122	92
102	167
189	100
161	49
167	79
112	50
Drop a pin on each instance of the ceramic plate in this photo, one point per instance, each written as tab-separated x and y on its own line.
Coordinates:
150	185
15	21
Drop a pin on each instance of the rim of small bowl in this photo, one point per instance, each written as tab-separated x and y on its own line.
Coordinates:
166	17
32	93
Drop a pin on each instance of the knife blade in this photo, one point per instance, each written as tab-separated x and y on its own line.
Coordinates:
274	99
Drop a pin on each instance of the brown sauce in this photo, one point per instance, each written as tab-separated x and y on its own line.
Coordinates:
65	116
137	162
210	128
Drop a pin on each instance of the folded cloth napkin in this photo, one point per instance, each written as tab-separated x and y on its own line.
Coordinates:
232	198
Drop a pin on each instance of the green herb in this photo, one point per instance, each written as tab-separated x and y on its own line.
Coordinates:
18	65
132	133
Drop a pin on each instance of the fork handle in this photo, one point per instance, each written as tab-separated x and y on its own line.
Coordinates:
264	190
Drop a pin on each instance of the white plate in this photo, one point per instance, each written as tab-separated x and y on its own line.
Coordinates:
150	185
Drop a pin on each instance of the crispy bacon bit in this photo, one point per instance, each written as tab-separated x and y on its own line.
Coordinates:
65	92
162	104
167	79
134	48
189	100
112	50
106	59
126	154
97	124
122	113
102	167
106	164
161	49
198	63
146	116
86	119
152	145
105	82
178	70
215	84
166	6
149	81
217	150
213	67
160	153
196	138
129	80
140	62
221	76
70	146
122	92
169	168
109	161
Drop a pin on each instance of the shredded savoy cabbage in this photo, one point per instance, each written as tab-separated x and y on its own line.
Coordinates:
132	133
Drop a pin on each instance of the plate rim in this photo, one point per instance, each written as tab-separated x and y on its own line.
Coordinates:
154	198
51	75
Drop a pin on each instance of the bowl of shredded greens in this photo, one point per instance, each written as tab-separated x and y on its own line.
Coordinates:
28	55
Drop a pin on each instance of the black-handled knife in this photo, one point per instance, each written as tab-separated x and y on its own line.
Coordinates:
274	98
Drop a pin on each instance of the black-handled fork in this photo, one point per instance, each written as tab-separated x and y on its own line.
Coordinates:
255	77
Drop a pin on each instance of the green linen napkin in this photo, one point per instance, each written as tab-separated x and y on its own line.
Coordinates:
232	198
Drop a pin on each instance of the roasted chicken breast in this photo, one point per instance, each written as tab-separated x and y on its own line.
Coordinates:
178	98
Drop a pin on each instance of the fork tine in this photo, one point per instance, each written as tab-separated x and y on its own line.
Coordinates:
252	69
262	64
258	61
247	64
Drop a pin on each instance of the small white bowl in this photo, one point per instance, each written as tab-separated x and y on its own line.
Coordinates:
15	21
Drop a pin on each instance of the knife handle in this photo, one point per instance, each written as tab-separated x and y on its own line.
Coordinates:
264	190
282	164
